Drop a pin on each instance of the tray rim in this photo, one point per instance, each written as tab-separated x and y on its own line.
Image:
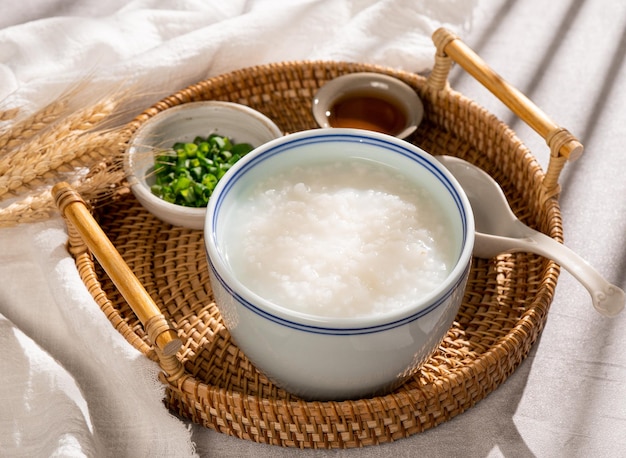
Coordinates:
532	320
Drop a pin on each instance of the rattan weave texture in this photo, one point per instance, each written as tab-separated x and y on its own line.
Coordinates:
503	311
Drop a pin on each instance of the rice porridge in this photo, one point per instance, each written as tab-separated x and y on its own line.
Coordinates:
339	239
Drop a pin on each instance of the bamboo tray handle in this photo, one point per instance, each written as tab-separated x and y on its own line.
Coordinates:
563	145
161	334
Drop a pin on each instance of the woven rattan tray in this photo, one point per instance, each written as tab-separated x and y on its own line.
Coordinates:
504	309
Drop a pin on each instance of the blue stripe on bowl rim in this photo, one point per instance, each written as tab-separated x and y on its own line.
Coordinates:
336	331
380	141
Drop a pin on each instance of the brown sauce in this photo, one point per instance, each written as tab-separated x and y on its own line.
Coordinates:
368	111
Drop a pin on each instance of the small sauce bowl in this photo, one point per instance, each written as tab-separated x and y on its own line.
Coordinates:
370	101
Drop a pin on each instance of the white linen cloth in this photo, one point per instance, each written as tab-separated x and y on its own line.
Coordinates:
70	385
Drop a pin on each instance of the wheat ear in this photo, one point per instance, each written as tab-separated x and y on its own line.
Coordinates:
51	148
101	184
9	115
72	154
27	128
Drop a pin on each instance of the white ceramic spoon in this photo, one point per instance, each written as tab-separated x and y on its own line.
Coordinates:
499	231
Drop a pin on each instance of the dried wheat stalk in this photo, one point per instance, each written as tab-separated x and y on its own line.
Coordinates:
9	115
70	153
53	146
101	184
27	128
22	130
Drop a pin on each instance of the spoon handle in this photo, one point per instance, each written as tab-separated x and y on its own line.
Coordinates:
607	298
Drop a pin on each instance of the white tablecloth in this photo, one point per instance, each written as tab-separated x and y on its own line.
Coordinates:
61	396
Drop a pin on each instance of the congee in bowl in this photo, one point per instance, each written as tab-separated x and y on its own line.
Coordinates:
338	259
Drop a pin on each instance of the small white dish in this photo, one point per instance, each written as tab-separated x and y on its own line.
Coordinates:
371	101
183	123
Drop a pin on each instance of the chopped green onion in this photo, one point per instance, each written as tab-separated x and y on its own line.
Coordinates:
188	173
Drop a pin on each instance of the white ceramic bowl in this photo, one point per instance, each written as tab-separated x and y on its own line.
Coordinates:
369	100
318	357
183	123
